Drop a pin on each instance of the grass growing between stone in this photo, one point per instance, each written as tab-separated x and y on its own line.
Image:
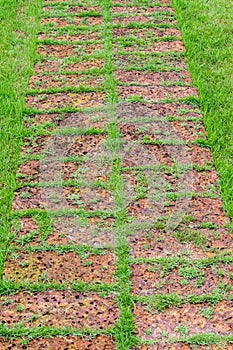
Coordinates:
118	270
207	33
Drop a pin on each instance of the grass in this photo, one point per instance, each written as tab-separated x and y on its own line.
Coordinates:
15	69
19	26
44	332
208	339
62	12
8	288
207	33
124	326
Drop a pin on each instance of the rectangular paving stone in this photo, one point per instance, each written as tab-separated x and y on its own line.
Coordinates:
133	60
50	170
135	153
31	171
52	267
142	209
61	198
151	279
154	78
65	51
186	242
163	130
58	309
65	80
140	10
96	232
97	120
191	154
155	110
190	317
59	22
59	51
156	93
49	66
203	210
146	33
206	210
68	343
54	146
143	18
155	47
65	99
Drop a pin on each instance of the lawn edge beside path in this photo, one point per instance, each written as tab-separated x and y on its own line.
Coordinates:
207	34
19	26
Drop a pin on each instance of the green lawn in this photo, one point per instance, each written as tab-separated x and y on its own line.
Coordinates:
207	30
19	20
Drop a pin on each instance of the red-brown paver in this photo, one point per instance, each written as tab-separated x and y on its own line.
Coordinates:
58	309
69	343
188	316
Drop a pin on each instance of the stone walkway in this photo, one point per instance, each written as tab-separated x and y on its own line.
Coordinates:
118	240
